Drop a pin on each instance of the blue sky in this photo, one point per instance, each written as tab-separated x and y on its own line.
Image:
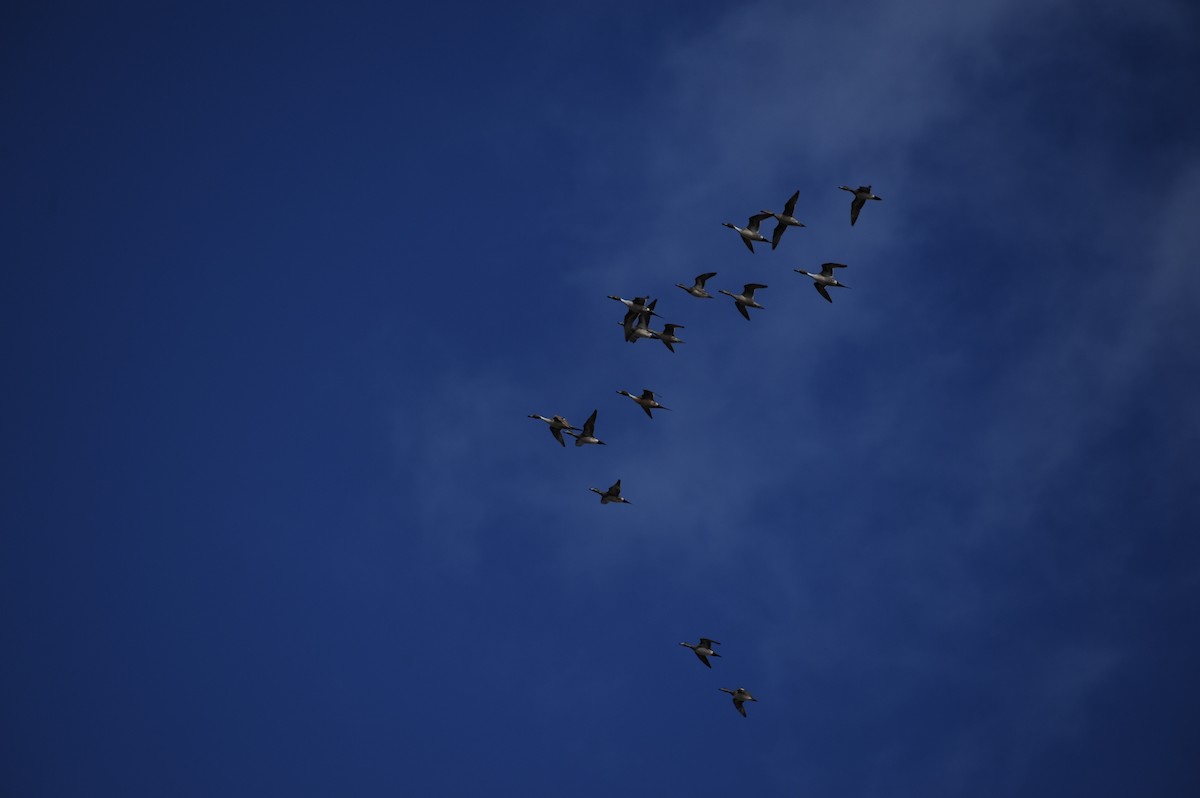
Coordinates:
282	285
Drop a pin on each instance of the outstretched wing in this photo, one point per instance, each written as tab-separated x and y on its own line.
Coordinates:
589	426
789	207
855	207
778	234
704	659
821	290
703	278
557	433
747	242
615	490
756	220
738	706
742	309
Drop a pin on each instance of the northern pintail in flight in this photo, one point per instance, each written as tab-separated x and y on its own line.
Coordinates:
740	696
635	307
589	432
646	401
668	336
613	494
704	650
697	290
861	195
637	325
750	232
746	298
557	425
785	219
825	278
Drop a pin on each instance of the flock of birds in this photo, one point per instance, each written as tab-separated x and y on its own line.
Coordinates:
636	325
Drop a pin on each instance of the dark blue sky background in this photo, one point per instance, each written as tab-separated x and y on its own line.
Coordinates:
282	284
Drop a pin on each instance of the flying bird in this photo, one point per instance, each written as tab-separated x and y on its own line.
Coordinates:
825	278
668	336
637	325
740	696
746	298
557	425
704	650
589	432
646	401
750	232
785	219
613	494
697	290
635	307
861	195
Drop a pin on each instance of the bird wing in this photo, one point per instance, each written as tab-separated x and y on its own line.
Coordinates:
778	234
855	207
821	290
701	279
648	413
630	315
789	207
589	426
755	220
703	659
738	706
557	433
742	309
615	490
631	325
667	344
749	245
827	268
707	643
647	394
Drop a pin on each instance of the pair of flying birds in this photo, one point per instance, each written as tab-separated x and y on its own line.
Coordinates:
559	425
704	650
